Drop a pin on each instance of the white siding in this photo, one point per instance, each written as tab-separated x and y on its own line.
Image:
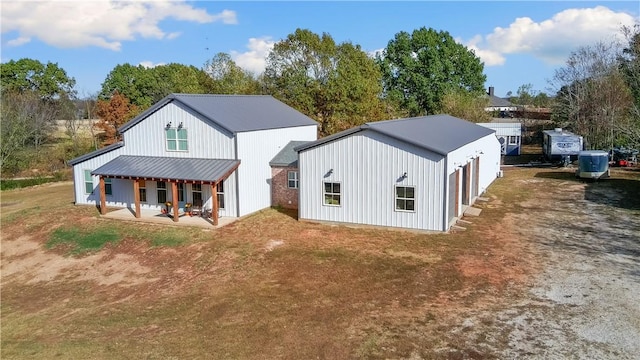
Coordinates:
487	150
147	138
120	193
204	139
369	166
255	150
504	129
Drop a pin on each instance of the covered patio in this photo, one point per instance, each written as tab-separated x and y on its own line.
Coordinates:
155	217
170	170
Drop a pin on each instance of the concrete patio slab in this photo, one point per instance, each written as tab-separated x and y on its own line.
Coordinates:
155	217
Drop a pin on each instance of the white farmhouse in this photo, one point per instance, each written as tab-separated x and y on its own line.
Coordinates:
186	148
415	173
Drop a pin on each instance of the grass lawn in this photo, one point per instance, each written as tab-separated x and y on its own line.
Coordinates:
265	287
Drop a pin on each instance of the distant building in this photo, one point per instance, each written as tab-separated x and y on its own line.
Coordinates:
509	134
499	105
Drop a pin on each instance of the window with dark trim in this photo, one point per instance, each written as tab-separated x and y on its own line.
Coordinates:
292	179
196	194
108	186
331	193
88	182
405	198
161	188
180	192
142	190
177	139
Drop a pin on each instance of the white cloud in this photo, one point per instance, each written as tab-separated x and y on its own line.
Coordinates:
105	24
376	52
551	40
18	41
255	59
150	64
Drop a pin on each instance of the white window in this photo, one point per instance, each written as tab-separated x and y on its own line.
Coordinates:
108	188
220	191
88	182
177	139
292	179
405	198
513	140
331	193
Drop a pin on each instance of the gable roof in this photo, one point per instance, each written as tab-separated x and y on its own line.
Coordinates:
495	101
95	153
168	168
287	156
437	133
234	113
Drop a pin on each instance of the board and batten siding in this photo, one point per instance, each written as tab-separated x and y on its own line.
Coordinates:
369	166
255	150
147	138
205	139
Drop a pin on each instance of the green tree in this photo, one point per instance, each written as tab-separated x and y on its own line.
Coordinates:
48	80
419	68
228	78
466	105
136	83
336	84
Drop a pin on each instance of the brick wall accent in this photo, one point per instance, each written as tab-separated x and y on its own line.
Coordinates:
281	195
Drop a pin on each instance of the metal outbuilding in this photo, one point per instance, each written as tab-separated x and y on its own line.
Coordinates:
416	173
509	134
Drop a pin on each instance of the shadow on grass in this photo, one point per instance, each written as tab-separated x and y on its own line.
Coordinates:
565	175
292	213
521	159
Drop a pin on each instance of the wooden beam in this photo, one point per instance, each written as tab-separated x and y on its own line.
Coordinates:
214	203
103	196
174	194
136	196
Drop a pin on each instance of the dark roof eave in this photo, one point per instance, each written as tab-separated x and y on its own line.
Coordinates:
95	153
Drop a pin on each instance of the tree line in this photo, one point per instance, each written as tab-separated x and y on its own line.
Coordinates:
337	84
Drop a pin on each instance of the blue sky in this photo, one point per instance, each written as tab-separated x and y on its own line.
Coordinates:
520	42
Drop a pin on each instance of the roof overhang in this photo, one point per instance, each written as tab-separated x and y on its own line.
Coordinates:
187	170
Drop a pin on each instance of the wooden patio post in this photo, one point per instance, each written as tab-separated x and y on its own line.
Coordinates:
103	196
136	196
174	194
477	175
214	203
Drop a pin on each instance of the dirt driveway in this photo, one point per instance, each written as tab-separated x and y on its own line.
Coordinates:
585	301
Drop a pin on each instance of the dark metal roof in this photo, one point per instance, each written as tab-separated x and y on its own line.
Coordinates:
169	168
98	152
287	156
438	133
235	113
495	101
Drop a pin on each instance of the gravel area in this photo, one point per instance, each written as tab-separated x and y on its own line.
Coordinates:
585	302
